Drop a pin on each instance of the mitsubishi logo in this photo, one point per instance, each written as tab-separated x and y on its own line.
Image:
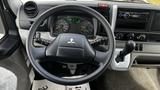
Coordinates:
71	41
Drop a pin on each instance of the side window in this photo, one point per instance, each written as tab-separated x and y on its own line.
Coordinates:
2	29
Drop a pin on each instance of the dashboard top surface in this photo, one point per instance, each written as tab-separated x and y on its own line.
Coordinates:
141	16
16	4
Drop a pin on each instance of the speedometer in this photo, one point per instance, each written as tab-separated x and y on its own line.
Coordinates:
61	26
86	28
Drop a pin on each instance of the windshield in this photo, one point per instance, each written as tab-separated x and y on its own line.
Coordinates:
97	0
135	1
155	2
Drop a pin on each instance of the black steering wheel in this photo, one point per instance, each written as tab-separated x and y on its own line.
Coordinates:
71	48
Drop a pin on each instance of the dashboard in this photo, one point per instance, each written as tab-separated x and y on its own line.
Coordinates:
129	21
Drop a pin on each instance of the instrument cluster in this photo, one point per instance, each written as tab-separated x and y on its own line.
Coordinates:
72	24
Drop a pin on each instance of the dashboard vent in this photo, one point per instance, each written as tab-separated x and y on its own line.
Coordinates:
31	9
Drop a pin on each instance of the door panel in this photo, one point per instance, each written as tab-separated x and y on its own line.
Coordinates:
9	41
12	53
2	30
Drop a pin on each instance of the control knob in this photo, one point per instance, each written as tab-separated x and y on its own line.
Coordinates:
141	37
119	36
126	15
130	36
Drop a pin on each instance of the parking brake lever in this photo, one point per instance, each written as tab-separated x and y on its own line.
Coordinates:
129	47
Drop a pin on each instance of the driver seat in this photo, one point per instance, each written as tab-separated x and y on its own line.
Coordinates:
8	80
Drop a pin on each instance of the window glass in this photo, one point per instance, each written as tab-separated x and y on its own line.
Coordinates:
2	29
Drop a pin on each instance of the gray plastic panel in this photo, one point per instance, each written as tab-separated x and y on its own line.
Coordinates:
23	21
44	5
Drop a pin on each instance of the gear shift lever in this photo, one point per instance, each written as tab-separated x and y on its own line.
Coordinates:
129	47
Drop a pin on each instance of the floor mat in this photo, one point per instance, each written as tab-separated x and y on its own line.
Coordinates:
134	79
47	85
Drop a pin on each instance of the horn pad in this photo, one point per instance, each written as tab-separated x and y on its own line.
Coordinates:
75	47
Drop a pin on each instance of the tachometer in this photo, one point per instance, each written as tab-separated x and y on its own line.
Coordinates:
86	28
61	26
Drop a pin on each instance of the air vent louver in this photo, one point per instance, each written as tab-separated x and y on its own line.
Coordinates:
31	9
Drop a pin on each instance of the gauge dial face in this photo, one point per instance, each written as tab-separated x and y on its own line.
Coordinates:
86	28
73	24
61	26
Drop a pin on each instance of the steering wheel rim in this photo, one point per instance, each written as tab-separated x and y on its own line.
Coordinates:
66	81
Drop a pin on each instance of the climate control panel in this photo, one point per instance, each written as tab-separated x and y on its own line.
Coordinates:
130	36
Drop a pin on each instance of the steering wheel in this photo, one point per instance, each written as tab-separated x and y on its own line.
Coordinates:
71	48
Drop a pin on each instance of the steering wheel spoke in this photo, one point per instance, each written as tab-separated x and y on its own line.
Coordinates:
39	52
101	57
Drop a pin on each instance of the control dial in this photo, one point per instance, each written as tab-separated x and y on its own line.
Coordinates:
126	15
141	37
119	36
130	36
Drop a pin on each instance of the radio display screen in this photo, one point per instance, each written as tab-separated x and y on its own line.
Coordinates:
132	20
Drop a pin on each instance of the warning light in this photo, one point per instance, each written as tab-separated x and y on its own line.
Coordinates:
103	6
